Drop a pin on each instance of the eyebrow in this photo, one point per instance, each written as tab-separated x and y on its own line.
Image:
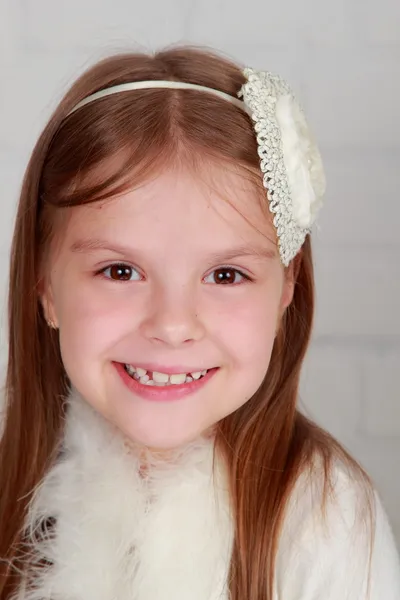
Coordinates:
252	251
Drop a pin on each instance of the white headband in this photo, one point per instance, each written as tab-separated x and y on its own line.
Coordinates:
153	84
292	168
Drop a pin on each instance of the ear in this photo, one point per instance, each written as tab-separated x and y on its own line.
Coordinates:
290	277
47	301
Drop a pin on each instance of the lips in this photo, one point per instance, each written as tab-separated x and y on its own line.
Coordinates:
161	391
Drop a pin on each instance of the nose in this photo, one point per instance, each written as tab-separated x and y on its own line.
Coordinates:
173	320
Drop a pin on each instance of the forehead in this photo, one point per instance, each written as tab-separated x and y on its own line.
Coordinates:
211	205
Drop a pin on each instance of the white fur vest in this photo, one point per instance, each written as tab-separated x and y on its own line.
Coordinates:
122	535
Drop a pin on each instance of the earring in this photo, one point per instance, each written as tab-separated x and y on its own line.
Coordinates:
51	324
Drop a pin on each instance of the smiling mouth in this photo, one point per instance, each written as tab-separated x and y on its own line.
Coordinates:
154	378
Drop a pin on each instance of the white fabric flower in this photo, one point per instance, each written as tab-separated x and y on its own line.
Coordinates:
302	160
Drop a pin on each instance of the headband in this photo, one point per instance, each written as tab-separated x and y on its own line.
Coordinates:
290	162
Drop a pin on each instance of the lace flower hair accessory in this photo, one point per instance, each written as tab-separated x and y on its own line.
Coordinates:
289	158
290	162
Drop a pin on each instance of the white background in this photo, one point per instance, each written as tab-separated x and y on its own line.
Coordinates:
343	59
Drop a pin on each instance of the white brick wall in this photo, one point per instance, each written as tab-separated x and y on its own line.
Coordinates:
343	58
354	102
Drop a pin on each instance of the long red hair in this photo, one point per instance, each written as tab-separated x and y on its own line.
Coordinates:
267	443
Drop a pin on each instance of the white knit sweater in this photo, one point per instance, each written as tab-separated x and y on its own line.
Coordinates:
168	535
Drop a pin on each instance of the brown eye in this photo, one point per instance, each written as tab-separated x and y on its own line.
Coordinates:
119	272
227	275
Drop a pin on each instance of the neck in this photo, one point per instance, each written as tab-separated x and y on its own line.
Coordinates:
150	456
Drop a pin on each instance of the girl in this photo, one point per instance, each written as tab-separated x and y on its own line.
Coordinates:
161	302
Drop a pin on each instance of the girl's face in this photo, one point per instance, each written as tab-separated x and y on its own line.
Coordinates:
169	278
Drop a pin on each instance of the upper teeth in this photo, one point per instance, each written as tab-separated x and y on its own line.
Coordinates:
162	378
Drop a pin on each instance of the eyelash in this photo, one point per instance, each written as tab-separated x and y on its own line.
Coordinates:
101	273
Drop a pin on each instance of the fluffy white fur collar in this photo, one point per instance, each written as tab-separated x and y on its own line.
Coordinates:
123	536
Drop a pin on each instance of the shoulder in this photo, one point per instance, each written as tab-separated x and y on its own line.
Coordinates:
336	541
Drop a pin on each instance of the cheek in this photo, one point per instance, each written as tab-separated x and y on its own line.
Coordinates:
92	322
247	334
248	330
